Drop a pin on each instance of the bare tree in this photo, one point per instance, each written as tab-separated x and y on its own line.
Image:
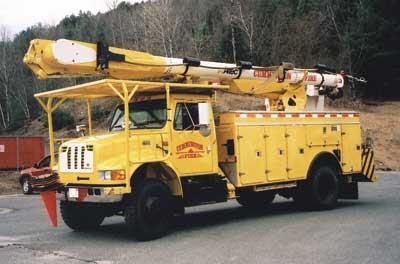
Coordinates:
162	23
21	93
136	30
243	16
194	30
7	72
231	24
112	6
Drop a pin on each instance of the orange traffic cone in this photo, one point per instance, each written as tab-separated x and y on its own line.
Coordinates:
49	200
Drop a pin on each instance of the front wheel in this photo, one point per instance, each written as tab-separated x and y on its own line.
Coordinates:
26	185
81	216
148	212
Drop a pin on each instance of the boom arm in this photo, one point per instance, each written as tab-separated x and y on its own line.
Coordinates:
284	85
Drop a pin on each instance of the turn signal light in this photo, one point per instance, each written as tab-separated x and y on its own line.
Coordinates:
118	175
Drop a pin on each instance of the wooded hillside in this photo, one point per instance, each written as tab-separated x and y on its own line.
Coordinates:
359	36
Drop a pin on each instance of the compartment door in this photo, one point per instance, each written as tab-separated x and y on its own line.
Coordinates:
251	155
296	146
351	148
275	148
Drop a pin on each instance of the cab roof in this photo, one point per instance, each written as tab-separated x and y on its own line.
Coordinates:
110	88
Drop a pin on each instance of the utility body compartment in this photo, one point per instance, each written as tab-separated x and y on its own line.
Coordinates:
257	148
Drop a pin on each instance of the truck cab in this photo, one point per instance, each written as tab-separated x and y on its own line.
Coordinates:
181	139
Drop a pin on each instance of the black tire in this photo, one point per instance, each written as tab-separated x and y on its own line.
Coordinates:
256	200
320	191
80	216
26	186
148	212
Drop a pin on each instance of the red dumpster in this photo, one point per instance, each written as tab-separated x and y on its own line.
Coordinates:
20	152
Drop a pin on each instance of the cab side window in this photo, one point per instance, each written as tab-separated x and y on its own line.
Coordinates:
186	116
45	162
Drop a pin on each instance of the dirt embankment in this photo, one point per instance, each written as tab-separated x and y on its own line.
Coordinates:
9	182
382	122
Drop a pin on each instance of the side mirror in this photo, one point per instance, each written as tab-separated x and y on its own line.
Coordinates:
81	129
123	124
204	114
204	119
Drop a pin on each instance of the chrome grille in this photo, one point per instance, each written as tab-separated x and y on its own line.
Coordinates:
76	157
69	158
83	156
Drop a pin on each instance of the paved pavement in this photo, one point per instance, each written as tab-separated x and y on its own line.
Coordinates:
363	231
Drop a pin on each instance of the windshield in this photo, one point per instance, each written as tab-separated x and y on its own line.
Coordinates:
142	115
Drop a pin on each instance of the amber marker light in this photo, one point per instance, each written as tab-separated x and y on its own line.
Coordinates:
117	175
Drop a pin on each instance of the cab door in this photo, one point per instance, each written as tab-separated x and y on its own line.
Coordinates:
192	150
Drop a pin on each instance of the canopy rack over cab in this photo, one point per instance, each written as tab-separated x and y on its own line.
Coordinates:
110	88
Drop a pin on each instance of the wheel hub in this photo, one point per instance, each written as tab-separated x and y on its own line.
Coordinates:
25	186
325	187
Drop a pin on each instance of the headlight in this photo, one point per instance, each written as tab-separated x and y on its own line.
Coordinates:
105	175
112	175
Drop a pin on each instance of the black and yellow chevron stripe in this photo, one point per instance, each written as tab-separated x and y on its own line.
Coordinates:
368	167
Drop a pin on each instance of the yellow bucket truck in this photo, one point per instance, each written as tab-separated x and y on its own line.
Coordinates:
165	149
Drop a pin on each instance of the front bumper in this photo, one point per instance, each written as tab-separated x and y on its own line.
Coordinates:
90	193
96	193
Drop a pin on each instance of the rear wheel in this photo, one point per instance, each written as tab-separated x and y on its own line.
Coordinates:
80	216
320	191
148	212
256	200
26	185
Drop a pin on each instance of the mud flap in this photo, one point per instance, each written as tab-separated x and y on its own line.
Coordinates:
368	167
348	191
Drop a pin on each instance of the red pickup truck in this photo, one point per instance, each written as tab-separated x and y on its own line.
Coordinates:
40	168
